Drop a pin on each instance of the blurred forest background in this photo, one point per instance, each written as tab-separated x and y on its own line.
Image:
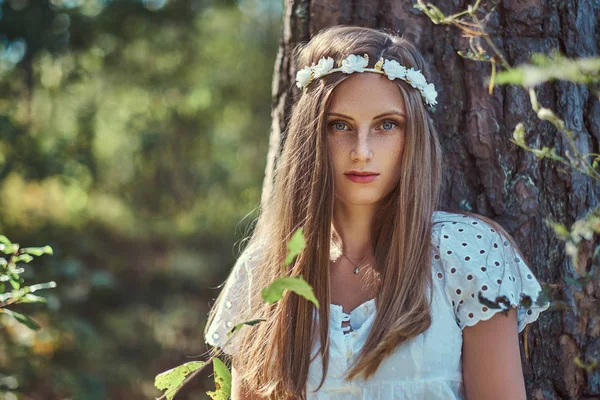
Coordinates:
133	140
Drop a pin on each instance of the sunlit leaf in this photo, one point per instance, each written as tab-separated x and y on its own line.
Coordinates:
38	251
24	319
171	380
551	67
10	249
222	381
295	245
560	230
4	240
274	292
32	298
26	258
40	286
16	285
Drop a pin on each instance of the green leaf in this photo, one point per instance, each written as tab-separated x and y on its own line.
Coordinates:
519	133
436	12
222	381
171	380
295	245
26	258
16	285
9	249
4	240
32	298
552	67
38	251
252	322
560	230
274	292
40	286
24	319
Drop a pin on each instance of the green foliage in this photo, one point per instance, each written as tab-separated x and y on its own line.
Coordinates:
554	66
38	251
222	381
133	134
171	380
295	246
270	294
274	292
251	322
544	68
434	13
10	271
24	319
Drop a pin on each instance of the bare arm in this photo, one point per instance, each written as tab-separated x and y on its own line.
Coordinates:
237	391
491	359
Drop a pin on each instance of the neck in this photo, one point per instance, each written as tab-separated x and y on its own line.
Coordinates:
352	223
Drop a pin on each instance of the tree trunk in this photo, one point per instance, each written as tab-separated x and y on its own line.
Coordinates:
484	172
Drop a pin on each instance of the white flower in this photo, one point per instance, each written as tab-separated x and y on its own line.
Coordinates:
354	63
394	70
571	249
582	230
303	77
415	78
323	67
428	91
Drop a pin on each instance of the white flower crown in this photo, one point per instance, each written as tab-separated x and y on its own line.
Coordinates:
354	63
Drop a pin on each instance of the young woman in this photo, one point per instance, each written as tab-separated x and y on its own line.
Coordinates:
398	281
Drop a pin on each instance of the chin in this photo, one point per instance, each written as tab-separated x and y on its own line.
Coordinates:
360	200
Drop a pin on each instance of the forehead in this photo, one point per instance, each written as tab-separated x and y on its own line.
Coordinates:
366	94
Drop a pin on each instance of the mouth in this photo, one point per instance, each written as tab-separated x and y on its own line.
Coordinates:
363	177
361	173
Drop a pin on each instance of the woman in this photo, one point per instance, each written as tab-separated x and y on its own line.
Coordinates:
361	172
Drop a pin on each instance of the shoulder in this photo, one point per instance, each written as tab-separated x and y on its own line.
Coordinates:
464	224
230	308
470	238
478	264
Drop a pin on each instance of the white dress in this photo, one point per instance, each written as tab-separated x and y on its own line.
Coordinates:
468	256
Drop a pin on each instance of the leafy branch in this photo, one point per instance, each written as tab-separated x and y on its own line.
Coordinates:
10	271
543	68
173	380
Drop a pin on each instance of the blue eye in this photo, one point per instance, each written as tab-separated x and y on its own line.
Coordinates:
388	125
338	125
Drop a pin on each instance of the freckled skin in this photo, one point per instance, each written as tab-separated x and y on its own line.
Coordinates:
364	141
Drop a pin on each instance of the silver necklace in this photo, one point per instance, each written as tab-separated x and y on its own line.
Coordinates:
356	267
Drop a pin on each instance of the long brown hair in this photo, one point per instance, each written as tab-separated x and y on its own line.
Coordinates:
273	357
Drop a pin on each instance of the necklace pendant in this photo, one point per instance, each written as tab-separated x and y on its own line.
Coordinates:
355	270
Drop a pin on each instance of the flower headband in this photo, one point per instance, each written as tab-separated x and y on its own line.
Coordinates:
354	63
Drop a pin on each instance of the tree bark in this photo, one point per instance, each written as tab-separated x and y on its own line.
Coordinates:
484	172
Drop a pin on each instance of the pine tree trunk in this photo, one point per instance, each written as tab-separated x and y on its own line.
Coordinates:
484	172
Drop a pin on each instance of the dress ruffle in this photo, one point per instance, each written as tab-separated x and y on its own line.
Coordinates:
478	260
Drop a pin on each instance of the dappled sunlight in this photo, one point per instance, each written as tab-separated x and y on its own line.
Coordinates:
132	140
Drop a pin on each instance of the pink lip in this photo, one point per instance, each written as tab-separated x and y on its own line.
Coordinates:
361	178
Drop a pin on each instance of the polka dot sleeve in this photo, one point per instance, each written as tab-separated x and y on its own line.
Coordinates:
478	259
235	292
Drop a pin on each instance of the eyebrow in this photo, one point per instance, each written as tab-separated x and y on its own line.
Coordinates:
393	112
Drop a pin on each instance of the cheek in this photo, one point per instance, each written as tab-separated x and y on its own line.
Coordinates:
392	151
336	149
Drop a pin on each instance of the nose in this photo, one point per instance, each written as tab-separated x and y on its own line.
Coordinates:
361	150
